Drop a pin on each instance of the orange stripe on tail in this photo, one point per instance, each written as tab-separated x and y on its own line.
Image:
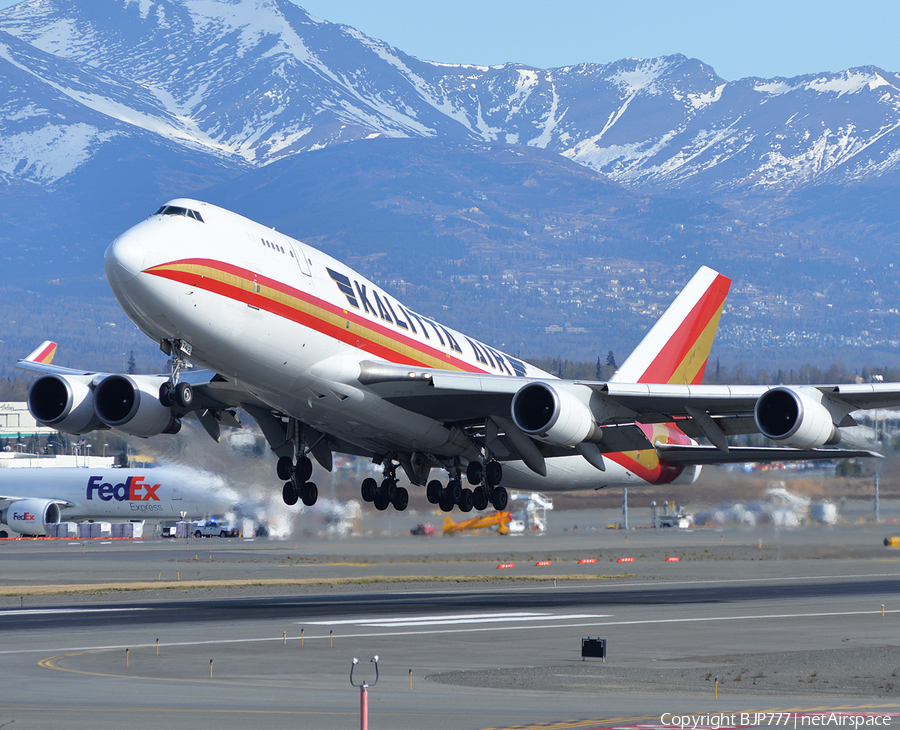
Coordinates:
677	347
44	354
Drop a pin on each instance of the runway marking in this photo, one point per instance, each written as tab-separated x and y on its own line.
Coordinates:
661	585
371	634
55	611
170	710
451	619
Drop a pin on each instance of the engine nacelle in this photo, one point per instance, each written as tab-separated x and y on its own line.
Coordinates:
553	415
31	516
63	402
796	417
130	403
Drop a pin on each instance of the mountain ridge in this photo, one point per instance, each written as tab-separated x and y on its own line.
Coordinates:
259	80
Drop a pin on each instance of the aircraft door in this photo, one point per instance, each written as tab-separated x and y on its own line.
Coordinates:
299	255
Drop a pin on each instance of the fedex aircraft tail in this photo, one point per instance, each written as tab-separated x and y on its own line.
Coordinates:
675	351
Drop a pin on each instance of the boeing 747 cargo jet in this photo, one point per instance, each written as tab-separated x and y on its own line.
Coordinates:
327	361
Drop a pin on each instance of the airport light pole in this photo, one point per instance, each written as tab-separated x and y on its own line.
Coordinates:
364	693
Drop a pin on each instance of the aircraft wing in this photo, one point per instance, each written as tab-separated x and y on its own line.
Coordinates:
450	396
703	455
17	498
713	411
215	399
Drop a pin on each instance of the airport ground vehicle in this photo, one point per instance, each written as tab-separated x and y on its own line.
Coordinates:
215	528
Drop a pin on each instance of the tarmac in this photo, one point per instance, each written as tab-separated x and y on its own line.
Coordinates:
797	621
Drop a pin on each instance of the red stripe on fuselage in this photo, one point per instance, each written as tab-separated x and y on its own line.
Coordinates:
427	356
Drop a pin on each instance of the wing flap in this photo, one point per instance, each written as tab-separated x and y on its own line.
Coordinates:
706	455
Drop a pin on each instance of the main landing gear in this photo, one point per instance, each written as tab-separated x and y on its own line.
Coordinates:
387	493
298	486
484	479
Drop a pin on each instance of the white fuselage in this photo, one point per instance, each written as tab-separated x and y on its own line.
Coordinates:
291	325
117	494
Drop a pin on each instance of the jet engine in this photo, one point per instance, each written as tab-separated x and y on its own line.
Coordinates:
130	403
796	417
63	402
31	516
553	415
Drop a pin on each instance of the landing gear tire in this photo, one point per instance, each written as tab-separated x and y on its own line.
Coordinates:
198	534
309	493
499	498
401	499
381	500
303	468
184	395
389	487
474	473
167	395
289	494
494	473
480	499
447	504
433	491
285	468
369	489
466	500
453	491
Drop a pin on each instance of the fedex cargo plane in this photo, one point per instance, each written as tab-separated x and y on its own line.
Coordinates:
31	499
327	361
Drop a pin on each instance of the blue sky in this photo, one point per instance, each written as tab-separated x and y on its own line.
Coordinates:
738	39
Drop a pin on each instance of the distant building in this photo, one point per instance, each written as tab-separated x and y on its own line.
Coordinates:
16	421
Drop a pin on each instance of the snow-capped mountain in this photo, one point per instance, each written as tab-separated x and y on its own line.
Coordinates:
253	81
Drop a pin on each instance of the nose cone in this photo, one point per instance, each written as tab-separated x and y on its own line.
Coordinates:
124	259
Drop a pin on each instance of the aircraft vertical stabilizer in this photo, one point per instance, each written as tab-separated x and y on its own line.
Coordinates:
676	349
44	354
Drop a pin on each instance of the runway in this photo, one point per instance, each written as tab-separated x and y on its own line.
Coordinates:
787	635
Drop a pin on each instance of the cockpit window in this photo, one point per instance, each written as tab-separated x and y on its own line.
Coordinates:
176	210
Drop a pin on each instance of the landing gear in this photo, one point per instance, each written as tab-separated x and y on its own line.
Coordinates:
368	489
167	394
401	499
172	393
499	498
484	478
493	473
466	500
297	485
480	499
289	494
433	491
474	473
387	493
184	395
303	468
307	492
285	467
454	491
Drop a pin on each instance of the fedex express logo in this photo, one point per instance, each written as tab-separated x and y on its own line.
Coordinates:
23	516
133	489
